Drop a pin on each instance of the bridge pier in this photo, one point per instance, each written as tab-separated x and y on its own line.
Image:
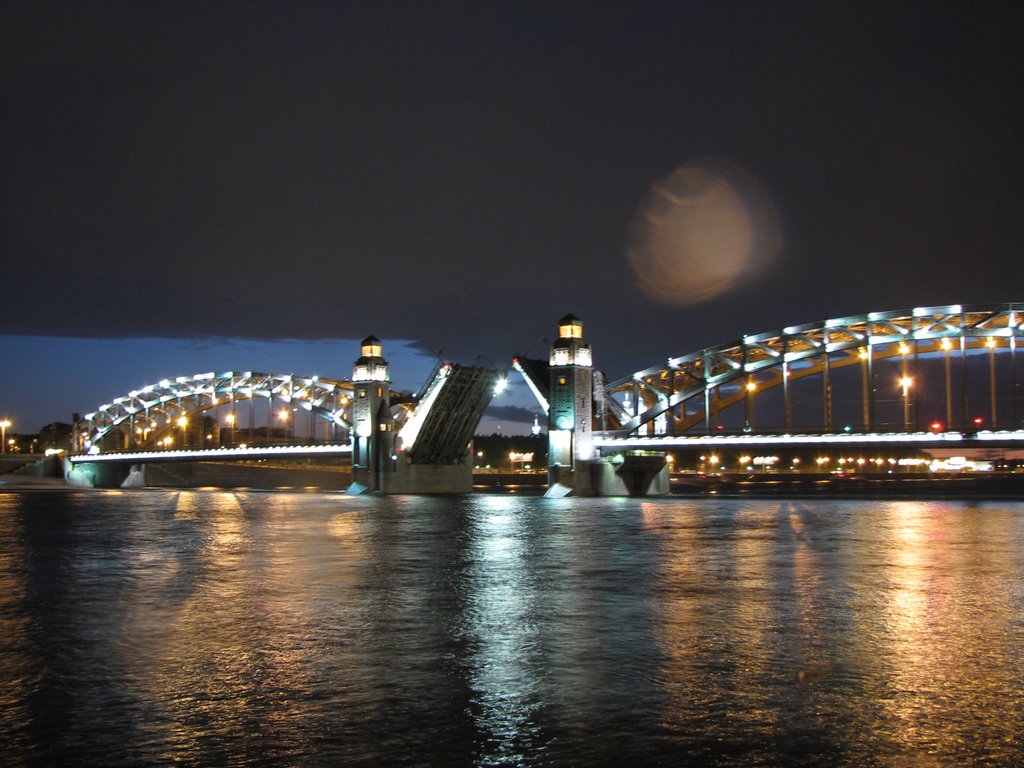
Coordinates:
430	454
86	474
573	465
373	427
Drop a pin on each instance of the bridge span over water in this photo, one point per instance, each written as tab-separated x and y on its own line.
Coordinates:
929	377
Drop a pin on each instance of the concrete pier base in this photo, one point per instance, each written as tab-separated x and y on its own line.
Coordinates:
621	475
96	475
410	478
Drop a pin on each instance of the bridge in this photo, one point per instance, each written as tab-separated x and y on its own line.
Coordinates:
398	442
929	377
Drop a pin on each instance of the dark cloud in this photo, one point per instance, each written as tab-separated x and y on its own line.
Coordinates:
513	413
465	174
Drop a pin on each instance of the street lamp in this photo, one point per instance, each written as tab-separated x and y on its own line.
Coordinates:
283	416
230	419
3	426
183	423
947	345
751	387
990	342
905	384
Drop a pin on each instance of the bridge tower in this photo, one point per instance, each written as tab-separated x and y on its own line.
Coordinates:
571	413
373	427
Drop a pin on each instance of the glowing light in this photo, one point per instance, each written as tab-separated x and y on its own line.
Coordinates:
217	453
946	344
702	230
571	328
904	349
990	342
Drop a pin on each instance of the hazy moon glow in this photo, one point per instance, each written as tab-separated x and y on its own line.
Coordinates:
702	230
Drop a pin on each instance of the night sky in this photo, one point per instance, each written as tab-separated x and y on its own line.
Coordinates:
459	176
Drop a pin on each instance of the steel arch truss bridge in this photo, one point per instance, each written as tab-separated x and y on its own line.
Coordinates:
929	367
156	414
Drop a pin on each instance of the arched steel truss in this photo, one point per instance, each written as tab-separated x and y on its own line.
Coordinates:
687	392
147	414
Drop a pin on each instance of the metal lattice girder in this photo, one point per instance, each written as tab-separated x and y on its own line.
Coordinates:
454	403
715	376
162	403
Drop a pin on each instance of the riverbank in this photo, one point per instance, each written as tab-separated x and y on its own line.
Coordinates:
987	485
982	486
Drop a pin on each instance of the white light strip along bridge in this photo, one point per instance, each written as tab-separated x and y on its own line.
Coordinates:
217	454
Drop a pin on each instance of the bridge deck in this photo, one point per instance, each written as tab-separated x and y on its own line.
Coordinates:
216	454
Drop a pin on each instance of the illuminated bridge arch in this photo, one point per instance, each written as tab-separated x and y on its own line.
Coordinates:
144	417
928	363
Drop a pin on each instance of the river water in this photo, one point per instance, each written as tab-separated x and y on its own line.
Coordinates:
244	628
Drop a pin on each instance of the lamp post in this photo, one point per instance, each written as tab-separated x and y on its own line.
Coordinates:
905	383
946	346
3	427
283	416
990	342
230	418
183	423
751	387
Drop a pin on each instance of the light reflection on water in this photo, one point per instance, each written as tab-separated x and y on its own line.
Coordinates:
217	627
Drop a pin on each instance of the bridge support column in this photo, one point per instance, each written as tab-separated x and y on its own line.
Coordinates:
634	473
373	428
571	413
